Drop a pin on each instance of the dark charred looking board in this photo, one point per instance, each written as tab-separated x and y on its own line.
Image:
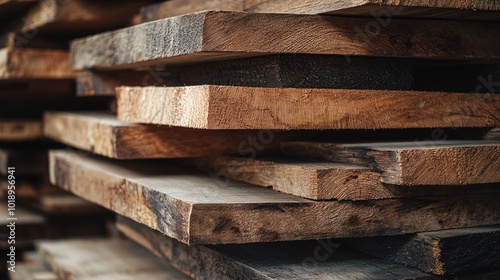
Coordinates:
412	163
277	71
230	107
384	10
284	260
209	36
195	208
441	252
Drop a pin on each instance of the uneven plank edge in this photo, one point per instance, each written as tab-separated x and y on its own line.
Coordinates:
226	107
462	10
209	36
103	134
195	209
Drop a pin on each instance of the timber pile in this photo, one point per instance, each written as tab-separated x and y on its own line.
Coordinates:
241	130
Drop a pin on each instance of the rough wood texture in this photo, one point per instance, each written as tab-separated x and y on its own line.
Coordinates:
100	259
266	261
34	64
197	209
78	17
20	130
440	252
225	107
463	10
322	180
209	36
278	71
103	134
413	163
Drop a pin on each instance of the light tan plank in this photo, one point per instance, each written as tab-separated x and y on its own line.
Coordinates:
226	107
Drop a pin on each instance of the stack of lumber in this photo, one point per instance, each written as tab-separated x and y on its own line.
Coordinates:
35	76
273	139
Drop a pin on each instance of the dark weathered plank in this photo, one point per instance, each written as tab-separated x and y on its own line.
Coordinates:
322	180
278	71
440	252
415	163
209	36
197	209
226	107
103	134
289	260
102	259
385	10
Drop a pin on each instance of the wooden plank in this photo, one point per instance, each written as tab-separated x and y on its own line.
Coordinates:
321	180
415	163
34	64
286	260
32	272
79	17
104	259
279	71
461	10
226	107
440	252
30	161
209	36
31	268
20	130
103	134
196	209
28	190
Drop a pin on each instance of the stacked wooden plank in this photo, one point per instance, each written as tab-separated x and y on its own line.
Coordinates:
245	129
35	76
